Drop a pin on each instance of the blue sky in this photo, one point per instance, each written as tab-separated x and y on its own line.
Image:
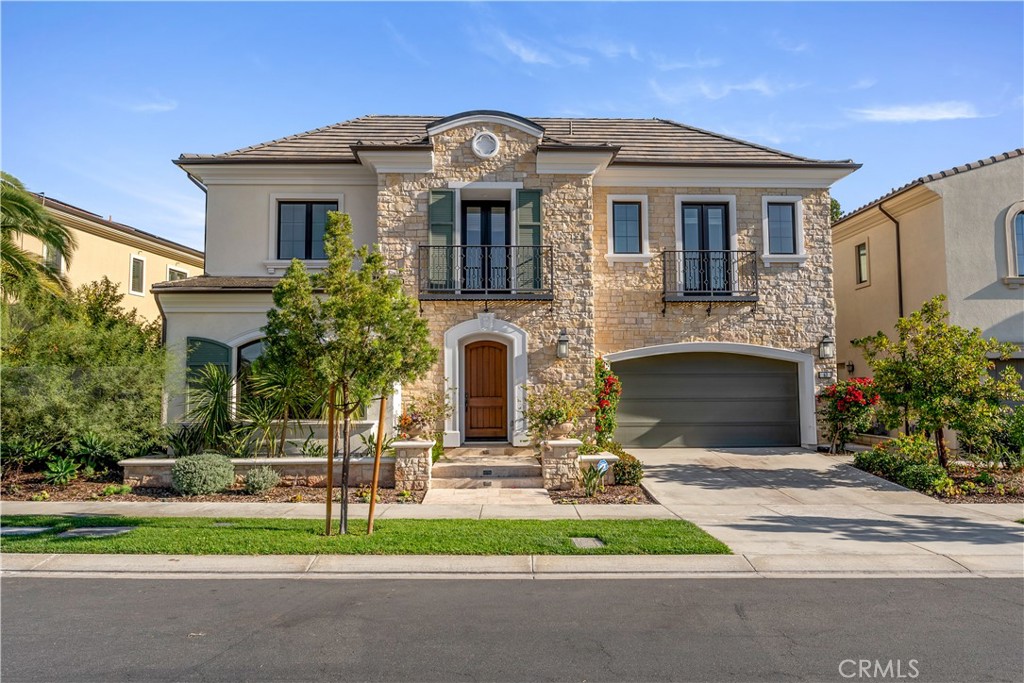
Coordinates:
98	98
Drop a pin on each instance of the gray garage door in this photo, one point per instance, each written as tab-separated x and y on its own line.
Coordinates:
708	399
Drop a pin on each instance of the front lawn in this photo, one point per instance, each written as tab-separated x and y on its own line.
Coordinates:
200	536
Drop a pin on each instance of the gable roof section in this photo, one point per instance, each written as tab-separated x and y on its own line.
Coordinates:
71	209
956	170
637	141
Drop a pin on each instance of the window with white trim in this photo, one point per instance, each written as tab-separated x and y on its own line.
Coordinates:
627	229
300	229
137	276
1018	244
1014	277
861	251
782	228
175	274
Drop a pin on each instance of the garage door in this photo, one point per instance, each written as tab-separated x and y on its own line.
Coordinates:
708	399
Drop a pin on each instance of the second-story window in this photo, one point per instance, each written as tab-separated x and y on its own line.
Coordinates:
53	259
1018	243
300	229
176	274
137	276
626	228
862	263
781	228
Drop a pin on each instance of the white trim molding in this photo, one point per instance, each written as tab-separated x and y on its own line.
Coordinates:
495	118
180	269
273	262
804	363
706	176
486	326
398	161
132	258
1014	271
798	229
572	163
645	248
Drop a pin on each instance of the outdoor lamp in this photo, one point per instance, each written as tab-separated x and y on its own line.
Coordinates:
562	345
849	367
827	347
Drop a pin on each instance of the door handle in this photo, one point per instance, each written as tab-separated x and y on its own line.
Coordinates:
467	400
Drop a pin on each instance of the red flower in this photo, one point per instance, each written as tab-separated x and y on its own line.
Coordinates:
597	428
604	403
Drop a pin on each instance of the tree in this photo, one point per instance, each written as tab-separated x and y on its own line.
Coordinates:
374	336
939	374
835	211
21	213
357	335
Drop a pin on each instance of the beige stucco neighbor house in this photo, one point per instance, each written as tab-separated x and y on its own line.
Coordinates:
959	232
131	258
699	265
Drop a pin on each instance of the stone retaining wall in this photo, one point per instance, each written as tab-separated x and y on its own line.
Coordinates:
155	471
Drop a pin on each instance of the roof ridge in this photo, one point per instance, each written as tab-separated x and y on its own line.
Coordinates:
938	175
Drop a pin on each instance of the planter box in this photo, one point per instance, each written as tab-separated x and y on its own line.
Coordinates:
154	471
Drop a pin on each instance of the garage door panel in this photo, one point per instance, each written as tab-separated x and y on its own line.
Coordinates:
708	399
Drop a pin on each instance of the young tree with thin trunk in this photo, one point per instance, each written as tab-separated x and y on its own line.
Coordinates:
939	374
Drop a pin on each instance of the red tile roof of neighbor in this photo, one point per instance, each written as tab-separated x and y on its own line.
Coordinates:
635	141
988	161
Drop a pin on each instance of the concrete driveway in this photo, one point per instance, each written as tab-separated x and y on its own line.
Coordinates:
802	508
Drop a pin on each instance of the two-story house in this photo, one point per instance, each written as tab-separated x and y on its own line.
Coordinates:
959	232
131	258
698	265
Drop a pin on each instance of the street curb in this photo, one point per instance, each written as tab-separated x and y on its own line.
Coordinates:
519	567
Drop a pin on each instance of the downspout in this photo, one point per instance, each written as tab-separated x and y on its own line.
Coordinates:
206	212
899	258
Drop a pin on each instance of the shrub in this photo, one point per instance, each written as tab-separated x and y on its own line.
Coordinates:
551	405
61	471
1015	428
116	490
17	453
186	440
260	480
847	408
909	461
629	471
94	451
195	475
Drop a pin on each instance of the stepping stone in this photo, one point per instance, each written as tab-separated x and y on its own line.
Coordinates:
23	530
587	542
96	532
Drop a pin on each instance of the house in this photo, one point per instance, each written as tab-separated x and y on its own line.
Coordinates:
130	258
959	232
698	265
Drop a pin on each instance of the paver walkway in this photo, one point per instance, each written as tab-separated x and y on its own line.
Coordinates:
810	506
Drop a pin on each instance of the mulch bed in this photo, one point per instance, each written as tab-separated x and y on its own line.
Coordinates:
978	491
612	495
27	484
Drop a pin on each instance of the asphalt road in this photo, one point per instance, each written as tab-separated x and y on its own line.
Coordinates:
453	630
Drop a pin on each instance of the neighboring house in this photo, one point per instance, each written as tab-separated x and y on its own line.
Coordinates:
133	259
700	266
958	232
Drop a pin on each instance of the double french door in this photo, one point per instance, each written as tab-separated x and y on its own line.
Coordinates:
706	262
486	254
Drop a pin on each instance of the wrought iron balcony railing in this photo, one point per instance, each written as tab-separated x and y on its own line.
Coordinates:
485	272
705	275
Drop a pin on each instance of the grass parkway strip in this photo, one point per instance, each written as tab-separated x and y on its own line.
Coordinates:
211	536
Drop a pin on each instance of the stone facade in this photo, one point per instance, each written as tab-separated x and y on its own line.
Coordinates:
560	463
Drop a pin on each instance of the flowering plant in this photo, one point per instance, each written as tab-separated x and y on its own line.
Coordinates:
847	408
607	390
424	416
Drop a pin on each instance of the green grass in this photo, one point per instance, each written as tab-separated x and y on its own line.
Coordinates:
198	536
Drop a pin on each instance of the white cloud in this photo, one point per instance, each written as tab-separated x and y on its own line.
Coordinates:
662	63
716	91
525	53
863	84
155	105
404	43
909	113
529	53
606	47
788	44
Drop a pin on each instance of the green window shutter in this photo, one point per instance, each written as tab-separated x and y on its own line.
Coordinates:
441	220
529	261
203	352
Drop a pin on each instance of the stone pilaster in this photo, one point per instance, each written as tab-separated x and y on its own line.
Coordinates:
412	465
560	462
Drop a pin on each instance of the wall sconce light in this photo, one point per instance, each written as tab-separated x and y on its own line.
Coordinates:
562	345
849	367
827	347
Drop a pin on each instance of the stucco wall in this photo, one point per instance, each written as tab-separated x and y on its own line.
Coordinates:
245	216
98	256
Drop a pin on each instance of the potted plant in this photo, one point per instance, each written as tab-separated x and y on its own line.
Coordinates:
422	417
552	412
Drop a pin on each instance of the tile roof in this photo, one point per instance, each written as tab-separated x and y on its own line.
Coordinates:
988	161
216	283
52	203
639	141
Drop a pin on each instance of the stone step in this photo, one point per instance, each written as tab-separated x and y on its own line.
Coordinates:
488	483
488	470
487	451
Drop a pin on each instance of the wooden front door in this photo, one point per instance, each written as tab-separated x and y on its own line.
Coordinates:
486	390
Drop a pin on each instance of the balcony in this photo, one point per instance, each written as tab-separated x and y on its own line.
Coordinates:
489	273
709	276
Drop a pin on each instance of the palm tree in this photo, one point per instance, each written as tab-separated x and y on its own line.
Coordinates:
21	213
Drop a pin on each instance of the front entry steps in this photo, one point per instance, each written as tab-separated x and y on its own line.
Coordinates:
487	467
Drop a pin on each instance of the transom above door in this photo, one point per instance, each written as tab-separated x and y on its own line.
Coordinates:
486	240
